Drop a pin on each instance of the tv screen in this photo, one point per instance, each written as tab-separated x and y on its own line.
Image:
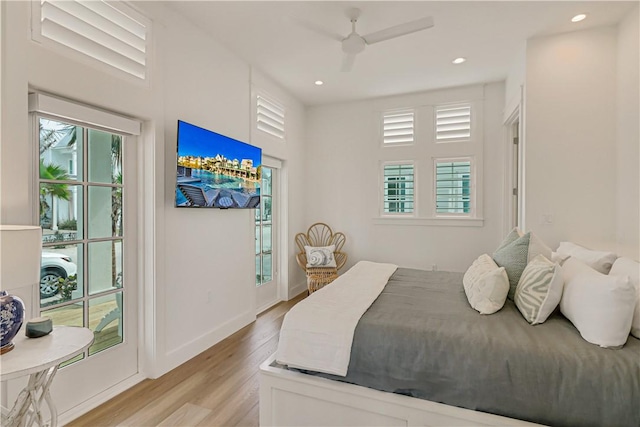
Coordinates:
215	171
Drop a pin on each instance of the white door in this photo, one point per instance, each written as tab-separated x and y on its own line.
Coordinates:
266	240
87	210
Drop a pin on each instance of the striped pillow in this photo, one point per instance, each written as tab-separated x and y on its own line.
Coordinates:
539	290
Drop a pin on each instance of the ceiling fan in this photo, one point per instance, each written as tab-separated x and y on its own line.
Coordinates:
354	43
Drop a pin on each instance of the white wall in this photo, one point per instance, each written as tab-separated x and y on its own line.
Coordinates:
515	81
343	178
571	137
185	253
628	138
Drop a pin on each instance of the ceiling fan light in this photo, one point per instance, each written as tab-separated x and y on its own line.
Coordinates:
459	60
578	17
353	44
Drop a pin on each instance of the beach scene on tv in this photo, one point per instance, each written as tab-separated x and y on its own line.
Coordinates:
216	171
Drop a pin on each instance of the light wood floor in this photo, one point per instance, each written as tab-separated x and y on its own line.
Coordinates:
219	387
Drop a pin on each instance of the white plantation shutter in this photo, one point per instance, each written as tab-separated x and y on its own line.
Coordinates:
397	127
453	179
453	123
110	32
270	117
398	189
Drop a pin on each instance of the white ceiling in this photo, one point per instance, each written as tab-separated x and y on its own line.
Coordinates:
285	40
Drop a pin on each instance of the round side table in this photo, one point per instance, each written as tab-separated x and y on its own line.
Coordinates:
39	358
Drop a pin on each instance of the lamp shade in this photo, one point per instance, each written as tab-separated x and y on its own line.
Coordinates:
20	251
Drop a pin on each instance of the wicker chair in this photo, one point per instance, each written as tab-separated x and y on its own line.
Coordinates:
320	234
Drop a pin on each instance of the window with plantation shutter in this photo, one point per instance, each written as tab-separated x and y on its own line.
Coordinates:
110	32
453	123
453	183
270	117
398	188
397	127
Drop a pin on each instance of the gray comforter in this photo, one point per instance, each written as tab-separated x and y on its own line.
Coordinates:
421	338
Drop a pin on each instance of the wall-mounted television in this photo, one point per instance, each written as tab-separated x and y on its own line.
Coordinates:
215	171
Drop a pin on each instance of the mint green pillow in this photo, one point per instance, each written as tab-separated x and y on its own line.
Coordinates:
511	237
512	255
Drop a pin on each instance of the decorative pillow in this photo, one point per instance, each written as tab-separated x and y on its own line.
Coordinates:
486	285
598	260
320	256
631	268
515	252
539	290
601	307
559	258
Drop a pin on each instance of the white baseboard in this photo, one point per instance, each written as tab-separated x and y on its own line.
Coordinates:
267	306
191	349
297	289
99	399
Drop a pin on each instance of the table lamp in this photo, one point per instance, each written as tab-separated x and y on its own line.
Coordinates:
20	251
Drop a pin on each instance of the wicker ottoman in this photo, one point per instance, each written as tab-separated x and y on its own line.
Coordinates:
320	277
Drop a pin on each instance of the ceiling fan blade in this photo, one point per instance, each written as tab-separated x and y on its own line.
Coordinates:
399	30
347	62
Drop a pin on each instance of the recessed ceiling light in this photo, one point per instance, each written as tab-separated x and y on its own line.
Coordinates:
319	82
578	18
459	60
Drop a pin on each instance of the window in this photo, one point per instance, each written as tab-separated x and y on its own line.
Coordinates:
270	117
453	123
398	188
87	274
110	32
397	127
264	229
453	182
81	215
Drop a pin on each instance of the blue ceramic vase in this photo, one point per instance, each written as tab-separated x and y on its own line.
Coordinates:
11	318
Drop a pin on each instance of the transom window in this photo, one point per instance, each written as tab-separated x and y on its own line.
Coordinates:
112	33
453	123
270	117
398	127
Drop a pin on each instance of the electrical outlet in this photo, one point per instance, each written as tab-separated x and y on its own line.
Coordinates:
209	297
434	267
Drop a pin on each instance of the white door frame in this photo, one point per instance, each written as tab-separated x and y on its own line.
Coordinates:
516	116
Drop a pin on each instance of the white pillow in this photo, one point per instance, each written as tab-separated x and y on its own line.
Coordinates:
598	260
631	268
559	258
539	290
320	256
601	307
486	285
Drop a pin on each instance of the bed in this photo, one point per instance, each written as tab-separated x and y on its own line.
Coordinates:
422	356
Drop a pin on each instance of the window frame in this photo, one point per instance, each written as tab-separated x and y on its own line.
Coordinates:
49	107
381	189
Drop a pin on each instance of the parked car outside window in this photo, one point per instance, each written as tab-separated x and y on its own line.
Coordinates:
53	267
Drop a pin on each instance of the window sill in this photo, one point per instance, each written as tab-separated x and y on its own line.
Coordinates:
430	222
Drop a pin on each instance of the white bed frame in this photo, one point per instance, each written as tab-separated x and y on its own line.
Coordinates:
290	398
